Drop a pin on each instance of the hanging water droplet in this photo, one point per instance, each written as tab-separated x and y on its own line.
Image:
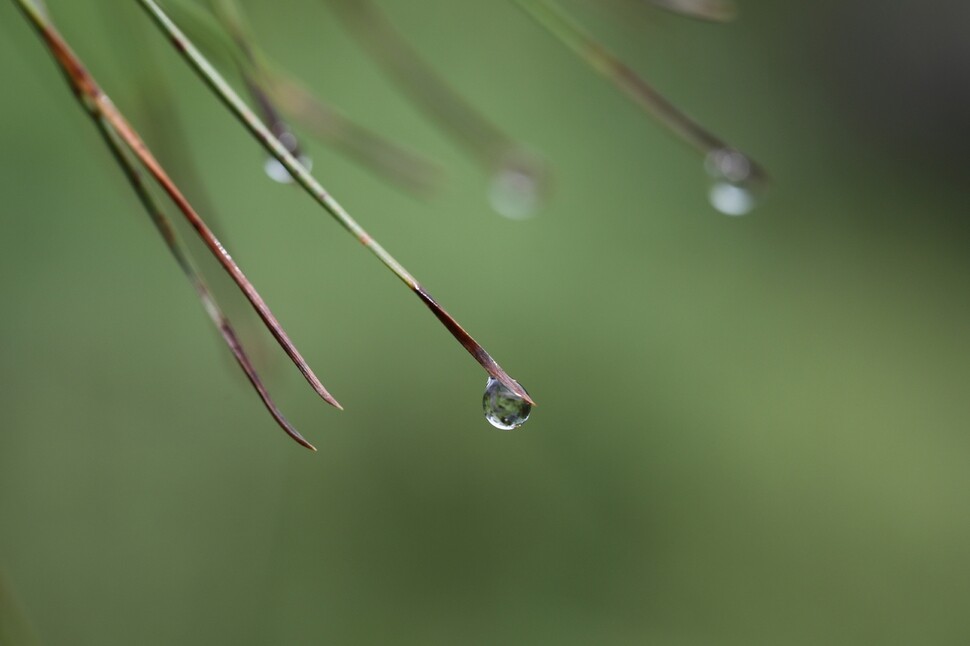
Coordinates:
277	171
736	187
731	199
514	193
518	185
504	409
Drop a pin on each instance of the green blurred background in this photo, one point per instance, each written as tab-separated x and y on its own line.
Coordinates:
751	430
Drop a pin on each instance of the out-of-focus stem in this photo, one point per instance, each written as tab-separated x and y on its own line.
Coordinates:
326	123
499	154
571	34
232	19
250	69
710	10
420	83
321	120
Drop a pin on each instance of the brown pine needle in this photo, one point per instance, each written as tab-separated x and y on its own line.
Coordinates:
100	107
184	260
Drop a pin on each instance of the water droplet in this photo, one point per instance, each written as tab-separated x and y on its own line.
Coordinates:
731	199
504	409
514	193
735	189
519	183
277	171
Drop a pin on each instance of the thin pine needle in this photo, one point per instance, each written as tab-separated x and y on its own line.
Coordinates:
99	107
184	260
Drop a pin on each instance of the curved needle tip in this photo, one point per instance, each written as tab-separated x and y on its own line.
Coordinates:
295	434
307	445
278	416
327	397
502	377
521	392
475	349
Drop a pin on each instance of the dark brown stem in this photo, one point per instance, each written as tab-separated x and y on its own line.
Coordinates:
167	231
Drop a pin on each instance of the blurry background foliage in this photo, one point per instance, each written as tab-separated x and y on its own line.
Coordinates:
751	430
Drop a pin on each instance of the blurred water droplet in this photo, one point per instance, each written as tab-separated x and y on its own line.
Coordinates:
504	409
514	193
735	189
731	199
277	171
519	184
718	10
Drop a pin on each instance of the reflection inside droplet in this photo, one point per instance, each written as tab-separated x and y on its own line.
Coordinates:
504	409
